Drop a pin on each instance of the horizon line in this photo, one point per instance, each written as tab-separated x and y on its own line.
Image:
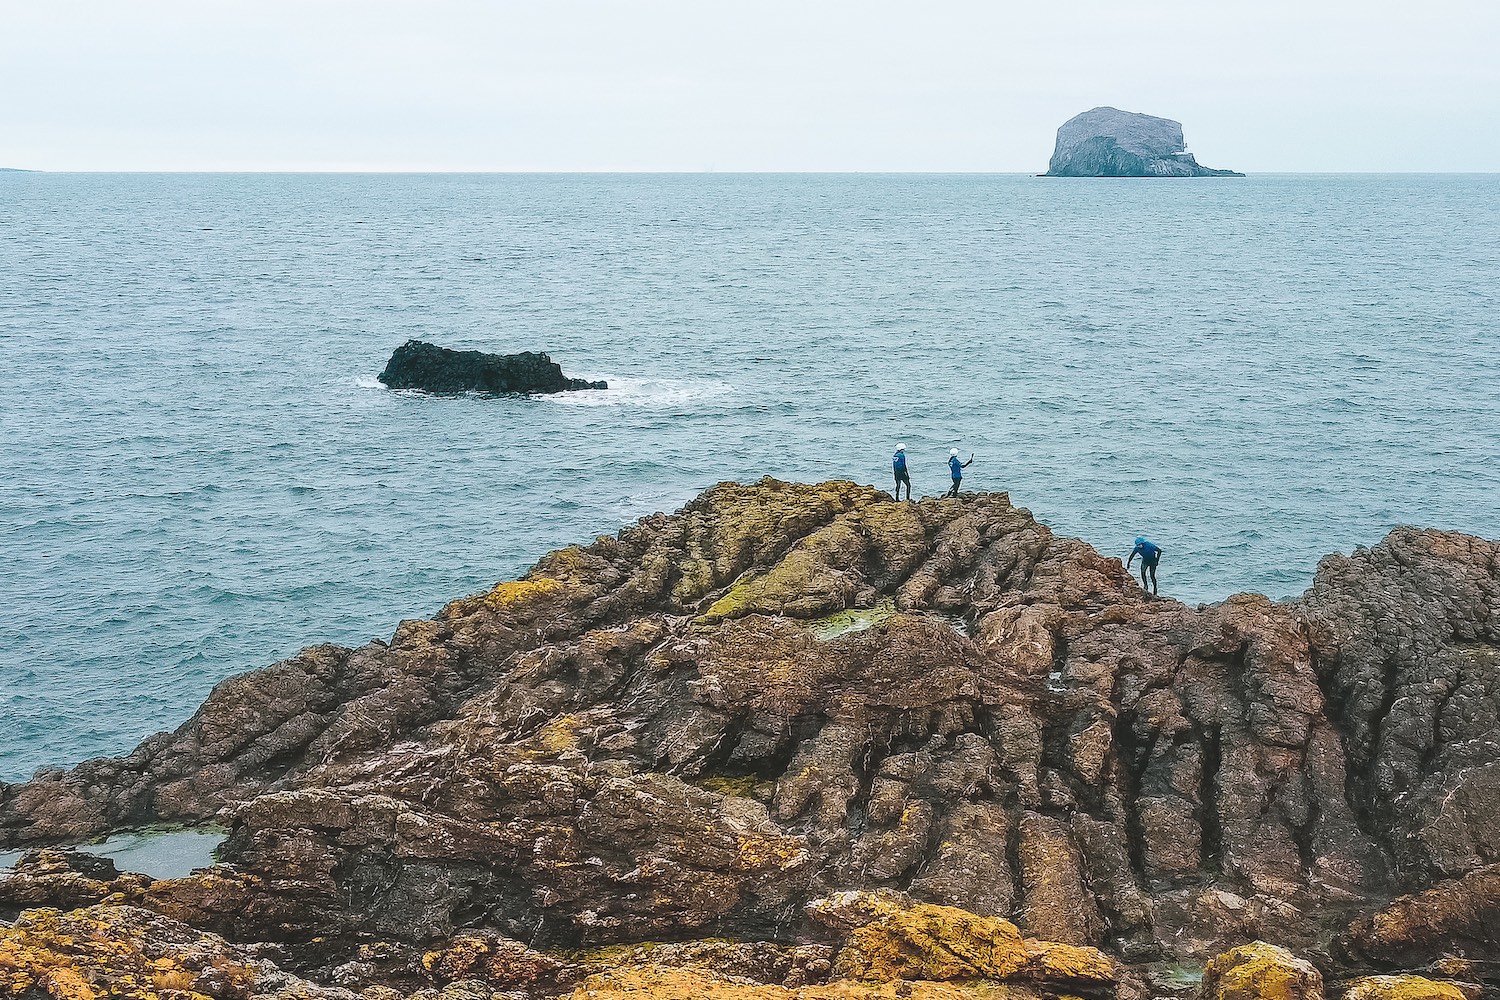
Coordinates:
710	172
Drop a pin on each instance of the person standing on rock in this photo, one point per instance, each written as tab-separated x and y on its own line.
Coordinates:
1150	555
957	469
898	466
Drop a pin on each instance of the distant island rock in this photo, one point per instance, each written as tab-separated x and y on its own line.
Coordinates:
1108	142
440	370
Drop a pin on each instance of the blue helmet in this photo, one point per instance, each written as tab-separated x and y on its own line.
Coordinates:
1139	540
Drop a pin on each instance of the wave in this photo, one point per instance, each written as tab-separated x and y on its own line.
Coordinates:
649	393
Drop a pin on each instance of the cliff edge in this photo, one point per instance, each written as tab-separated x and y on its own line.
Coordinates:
792	713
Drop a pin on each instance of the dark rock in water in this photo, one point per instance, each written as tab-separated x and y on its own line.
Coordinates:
658	736
429	368
1108	142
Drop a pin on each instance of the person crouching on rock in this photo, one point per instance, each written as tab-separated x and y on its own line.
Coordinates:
957	469
898	466
1150	555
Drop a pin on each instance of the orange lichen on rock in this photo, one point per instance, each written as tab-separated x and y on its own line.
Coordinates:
1053	961
1402	988
1260	971
116	951
891	937
695	984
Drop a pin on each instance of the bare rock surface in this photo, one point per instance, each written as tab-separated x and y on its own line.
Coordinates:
699	729
1108	142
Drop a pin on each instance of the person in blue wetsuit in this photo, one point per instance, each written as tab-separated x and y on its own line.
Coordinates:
1150	555
898	466
957	469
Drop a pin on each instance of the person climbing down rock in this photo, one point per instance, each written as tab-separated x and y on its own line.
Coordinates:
1150	555
957	469
898	465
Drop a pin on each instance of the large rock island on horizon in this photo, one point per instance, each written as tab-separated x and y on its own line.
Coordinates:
444	371
807	736
1108	142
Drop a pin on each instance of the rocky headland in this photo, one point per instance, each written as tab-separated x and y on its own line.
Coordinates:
443	371
1108	142
806	741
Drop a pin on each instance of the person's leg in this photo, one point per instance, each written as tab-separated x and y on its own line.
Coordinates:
1143	574
954	491
1153	577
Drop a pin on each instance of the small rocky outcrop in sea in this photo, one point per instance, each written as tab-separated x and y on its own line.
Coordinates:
1108	142
429	368
809	735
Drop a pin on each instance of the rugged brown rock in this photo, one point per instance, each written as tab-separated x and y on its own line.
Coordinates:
699	727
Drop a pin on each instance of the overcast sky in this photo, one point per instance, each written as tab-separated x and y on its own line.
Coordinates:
965	85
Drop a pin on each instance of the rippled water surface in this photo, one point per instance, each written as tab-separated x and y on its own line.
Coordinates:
201	474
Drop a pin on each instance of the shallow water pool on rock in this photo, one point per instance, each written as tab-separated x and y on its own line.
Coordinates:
157	853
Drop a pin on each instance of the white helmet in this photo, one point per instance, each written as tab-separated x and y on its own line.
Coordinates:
901	446
952	452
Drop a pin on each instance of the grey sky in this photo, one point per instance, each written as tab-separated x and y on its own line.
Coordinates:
696	85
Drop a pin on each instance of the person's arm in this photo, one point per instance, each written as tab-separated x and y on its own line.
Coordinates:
1131	559
970	461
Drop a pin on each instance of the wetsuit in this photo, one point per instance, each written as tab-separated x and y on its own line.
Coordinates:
957	469
1150	555
898	466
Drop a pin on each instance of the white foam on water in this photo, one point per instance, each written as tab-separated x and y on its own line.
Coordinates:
649	393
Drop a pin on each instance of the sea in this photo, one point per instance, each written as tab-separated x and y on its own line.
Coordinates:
200	473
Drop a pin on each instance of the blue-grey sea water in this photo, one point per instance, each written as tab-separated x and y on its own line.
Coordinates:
199	473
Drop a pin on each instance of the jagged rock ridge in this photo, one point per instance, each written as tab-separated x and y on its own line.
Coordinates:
674	733
1108	142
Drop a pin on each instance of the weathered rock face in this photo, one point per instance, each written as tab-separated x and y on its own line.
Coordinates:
683	732
418	365
1457	919
1107	142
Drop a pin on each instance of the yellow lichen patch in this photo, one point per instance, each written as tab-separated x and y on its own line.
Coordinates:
519	593
1051	960
891	937
1260	971
101	951
932	942
561	733
1401	988
758	852
695	984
